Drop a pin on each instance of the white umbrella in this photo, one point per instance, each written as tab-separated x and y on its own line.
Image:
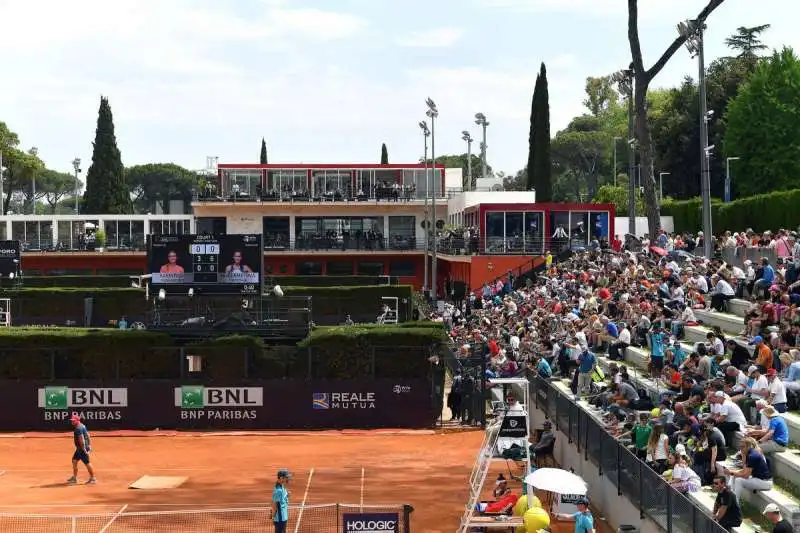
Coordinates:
557	481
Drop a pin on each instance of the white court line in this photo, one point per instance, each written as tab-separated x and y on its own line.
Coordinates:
113	518
12	470
303	505
362	489
230	505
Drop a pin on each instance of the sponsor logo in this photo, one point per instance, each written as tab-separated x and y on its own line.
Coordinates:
343	400
370	523
8	252
60	403
400	389
198	402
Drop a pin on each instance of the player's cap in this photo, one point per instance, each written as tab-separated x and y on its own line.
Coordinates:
771	508
284	473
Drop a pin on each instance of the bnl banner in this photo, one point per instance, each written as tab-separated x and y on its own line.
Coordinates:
370	523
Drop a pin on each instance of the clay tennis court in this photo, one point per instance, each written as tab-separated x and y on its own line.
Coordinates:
234	471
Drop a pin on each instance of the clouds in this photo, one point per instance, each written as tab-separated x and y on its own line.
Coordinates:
322	81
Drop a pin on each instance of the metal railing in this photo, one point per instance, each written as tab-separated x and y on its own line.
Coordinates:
378	194
641	485
737	256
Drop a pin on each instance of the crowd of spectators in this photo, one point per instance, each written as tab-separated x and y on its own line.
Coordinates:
722	398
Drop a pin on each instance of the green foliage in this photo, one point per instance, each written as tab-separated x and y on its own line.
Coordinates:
54	186
760	212
384	155
609	194
263	155
106	189
539	160
100	238
763	126
582	149
155	184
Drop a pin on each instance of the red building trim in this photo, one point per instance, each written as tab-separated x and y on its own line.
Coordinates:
326	166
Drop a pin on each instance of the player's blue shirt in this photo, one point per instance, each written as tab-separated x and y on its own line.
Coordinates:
584	522
81	431
281	497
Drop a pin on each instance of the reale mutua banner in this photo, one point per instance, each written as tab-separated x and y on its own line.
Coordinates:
250	405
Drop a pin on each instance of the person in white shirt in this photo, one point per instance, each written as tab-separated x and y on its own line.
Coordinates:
738	278
721	294
698	282
616	351
777	391
792	378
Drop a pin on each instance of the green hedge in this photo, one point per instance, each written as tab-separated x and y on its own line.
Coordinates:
56	305
328	353
761	212
120	282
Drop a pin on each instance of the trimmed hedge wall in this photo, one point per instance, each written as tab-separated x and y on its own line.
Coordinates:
761	212
56	305
121	282
350	352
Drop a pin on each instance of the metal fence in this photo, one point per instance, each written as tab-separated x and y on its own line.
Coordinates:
326	518
645	489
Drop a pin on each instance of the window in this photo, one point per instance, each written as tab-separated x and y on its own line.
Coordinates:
369	268
534	232
402	232
212	226
402	267
579	228
276	233
514	229
339	268
598	222
309	268
137	234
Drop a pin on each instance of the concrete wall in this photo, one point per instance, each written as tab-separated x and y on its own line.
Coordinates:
621	225
617	510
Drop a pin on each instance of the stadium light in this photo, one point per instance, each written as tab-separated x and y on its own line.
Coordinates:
432	113
480	120
425	134
465	136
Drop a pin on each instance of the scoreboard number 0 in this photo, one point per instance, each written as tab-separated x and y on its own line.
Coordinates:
212	249
198	249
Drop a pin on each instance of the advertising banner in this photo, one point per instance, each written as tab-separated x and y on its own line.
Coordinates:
370	523
514	427
10	256
275	404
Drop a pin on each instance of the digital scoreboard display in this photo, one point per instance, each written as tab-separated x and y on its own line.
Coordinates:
10	256
205	259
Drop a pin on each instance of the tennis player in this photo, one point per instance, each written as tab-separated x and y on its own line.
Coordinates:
280	501
83	446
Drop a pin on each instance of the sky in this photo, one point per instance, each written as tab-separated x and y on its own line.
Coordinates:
325	81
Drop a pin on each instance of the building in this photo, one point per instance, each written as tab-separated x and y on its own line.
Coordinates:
348	219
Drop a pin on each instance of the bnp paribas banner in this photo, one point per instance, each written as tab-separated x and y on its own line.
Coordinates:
254	405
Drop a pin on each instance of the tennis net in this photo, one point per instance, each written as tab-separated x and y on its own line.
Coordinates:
323	518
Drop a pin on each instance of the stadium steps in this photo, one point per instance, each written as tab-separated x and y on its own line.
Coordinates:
732	324
706	498
786	464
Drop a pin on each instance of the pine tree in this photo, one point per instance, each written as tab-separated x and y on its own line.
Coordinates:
540	168
384	155
263	158
106	189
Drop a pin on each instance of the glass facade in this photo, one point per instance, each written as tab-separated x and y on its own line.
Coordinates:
33	235
402	232
124	234
332	184
276	233
170	227
241	183
512	232
345	233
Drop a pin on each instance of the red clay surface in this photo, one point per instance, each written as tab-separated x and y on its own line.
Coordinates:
426	470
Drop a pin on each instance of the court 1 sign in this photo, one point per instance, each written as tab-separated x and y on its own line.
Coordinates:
370	523
197	402
59	403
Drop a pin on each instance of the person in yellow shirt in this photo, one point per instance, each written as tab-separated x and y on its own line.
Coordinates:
548	259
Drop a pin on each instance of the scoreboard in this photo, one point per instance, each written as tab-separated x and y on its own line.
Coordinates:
205	262
205	259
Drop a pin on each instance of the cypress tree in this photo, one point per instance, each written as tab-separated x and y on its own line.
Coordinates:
106	189
263	158
384	155
541	168
529	183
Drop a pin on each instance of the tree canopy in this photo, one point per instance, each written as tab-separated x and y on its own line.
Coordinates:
153	185
106	190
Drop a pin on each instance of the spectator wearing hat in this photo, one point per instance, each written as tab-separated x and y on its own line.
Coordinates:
584	521
280	501
762	352
755	473
777	436
727	512
779	524
727	417
777	391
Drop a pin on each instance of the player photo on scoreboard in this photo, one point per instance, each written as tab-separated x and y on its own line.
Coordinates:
240	259
170	260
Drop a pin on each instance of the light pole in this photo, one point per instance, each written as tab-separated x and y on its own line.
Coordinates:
426	133
465	136
693	32
2	169
661	185
728	177
432	113
615	159
76	166
480	120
